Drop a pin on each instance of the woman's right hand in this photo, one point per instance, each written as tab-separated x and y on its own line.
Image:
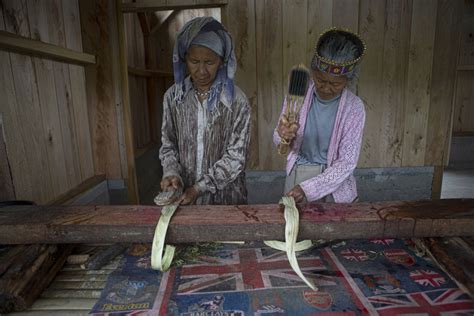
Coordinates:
171	183
286	129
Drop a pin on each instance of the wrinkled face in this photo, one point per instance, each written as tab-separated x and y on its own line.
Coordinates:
327	86
203	65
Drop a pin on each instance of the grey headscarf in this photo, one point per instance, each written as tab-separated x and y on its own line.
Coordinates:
223	86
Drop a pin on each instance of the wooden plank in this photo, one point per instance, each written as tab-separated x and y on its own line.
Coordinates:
77	285
295	25
319	18
466	53
372	29
24	45
270	77
64	293
418	84
463	120
346	14
158	5
101	87
448	30
63	312
51	304
80	105
142	72
87	224
39	16
127	116
56	32
35	168
455	255
68	196
239	18
437	182
7	190
80	277
11	119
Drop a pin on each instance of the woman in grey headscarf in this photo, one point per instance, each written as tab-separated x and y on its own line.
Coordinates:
206	119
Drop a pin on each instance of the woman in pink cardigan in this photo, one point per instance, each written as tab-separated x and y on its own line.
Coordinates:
325	141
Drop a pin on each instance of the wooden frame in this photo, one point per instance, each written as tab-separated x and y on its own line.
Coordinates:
148	72
157	5
23	45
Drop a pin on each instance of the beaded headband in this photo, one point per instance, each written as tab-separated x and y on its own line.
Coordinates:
336	68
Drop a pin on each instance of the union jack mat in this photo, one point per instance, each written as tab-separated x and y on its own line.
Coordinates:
357	277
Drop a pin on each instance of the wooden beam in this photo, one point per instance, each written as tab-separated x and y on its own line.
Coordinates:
163	18
23	45
136	223
7	189
68	196
159	5
132	185
140	72
144	23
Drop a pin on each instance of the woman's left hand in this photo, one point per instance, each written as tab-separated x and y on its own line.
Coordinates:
189	196
297	193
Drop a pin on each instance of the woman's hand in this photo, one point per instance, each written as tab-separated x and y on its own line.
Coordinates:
189	196
297	193
286	129
171	183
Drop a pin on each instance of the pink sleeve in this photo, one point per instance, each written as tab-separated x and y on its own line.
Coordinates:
346	157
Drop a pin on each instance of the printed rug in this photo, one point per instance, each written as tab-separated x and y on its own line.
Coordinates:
356	277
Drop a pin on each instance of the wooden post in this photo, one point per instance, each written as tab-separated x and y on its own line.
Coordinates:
127	115
7	190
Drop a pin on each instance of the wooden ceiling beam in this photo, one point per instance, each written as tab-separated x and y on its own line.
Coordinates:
203	223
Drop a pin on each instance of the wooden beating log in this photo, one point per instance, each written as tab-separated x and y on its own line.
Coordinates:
89	224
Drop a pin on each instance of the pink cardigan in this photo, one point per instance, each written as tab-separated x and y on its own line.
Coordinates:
343	152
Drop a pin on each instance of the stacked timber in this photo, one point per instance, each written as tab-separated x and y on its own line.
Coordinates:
25	271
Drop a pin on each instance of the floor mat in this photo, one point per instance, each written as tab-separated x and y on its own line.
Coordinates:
356	277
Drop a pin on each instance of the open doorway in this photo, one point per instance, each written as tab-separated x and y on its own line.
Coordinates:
458	177
149	41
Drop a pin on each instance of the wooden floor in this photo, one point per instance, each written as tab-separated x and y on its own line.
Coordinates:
74	291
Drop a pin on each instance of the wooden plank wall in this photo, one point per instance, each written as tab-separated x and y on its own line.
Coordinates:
137	84
407	78
43	102
463	122
161	47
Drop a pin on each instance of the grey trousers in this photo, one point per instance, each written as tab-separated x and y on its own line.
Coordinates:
301	173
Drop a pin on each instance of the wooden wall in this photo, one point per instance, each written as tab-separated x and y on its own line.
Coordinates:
463	122
165	25
43	102
137	84
407	78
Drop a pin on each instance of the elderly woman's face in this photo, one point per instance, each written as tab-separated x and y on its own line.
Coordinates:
327	86
203	65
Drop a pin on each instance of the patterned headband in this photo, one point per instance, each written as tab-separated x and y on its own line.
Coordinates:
337	68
